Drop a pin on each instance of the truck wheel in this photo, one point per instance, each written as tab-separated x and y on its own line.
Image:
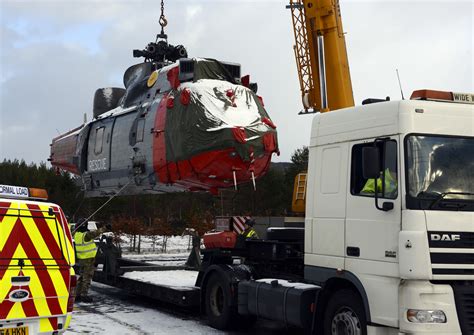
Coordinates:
217	300
345	314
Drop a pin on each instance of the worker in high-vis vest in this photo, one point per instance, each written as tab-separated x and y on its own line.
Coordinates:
391	185
249	232
86	250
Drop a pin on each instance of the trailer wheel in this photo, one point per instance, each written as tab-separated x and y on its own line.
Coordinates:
345	314
220	313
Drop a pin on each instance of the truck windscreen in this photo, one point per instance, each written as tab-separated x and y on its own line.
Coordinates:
440	172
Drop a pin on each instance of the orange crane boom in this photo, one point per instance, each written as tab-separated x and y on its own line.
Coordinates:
321	55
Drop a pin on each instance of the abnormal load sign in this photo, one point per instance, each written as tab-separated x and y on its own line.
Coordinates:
14	191
463	98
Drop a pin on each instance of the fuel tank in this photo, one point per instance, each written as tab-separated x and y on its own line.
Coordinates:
192	125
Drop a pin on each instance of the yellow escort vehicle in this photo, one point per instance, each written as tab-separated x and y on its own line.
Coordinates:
37	280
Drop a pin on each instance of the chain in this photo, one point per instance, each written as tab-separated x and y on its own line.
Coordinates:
163	21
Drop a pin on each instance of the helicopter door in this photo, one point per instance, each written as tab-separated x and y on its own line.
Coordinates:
98	156
139	144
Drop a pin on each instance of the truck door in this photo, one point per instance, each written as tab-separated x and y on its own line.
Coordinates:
98	156
371	234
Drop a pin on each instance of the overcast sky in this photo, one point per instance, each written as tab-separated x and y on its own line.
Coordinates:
55	54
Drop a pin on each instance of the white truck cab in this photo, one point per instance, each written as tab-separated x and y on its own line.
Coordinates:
407	249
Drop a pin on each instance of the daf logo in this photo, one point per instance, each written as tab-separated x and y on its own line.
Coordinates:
19	295
445	237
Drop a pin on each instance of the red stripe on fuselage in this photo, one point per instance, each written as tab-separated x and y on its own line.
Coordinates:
207	170
159	144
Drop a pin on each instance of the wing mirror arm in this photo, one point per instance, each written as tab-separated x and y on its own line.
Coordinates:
386	205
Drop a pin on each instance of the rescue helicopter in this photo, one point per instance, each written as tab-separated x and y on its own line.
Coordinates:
179	124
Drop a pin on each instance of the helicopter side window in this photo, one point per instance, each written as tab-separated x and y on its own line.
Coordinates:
137	131
99	139
140	129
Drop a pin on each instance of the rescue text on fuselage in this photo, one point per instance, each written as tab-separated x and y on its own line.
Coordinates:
192	125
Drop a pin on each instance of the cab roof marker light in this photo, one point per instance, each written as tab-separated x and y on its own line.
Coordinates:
464	98
431	95
38	193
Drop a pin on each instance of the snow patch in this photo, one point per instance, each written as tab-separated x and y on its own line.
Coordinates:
174	245
286	283
179	279
108	95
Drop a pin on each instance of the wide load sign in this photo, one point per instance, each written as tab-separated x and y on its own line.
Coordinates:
13	191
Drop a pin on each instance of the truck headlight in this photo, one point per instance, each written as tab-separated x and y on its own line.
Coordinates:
426	316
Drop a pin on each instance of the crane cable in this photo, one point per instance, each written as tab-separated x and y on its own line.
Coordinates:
103	205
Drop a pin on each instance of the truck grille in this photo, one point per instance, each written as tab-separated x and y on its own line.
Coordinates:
464	297
449	252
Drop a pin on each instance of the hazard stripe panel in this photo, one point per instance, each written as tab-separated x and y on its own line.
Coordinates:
238	223
68	321
36	243
48	324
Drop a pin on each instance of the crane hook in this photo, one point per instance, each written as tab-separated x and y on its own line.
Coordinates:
163	22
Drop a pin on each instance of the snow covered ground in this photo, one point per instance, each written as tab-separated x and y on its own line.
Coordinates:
114	312
117	313
172	244
177	250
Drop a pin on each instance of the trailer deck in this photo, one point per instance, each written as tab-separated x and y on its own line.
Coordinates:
182	296
140	278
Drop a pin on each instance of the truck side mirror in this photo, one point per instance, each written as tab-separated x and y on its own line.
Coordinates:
370	162
387	206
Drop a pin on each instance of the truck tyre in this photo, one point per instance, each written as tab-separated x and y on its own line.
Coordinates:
220	313
345	314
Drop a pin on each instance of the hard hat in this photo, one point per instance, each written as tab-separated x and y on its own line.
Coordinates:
82	225
250	222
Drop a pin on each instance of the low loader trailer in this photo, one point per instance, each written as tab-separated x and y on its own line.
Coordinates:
228	260
181	296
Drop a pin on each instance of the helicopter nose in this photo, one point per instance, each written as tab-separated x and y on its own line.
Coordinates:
217	135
